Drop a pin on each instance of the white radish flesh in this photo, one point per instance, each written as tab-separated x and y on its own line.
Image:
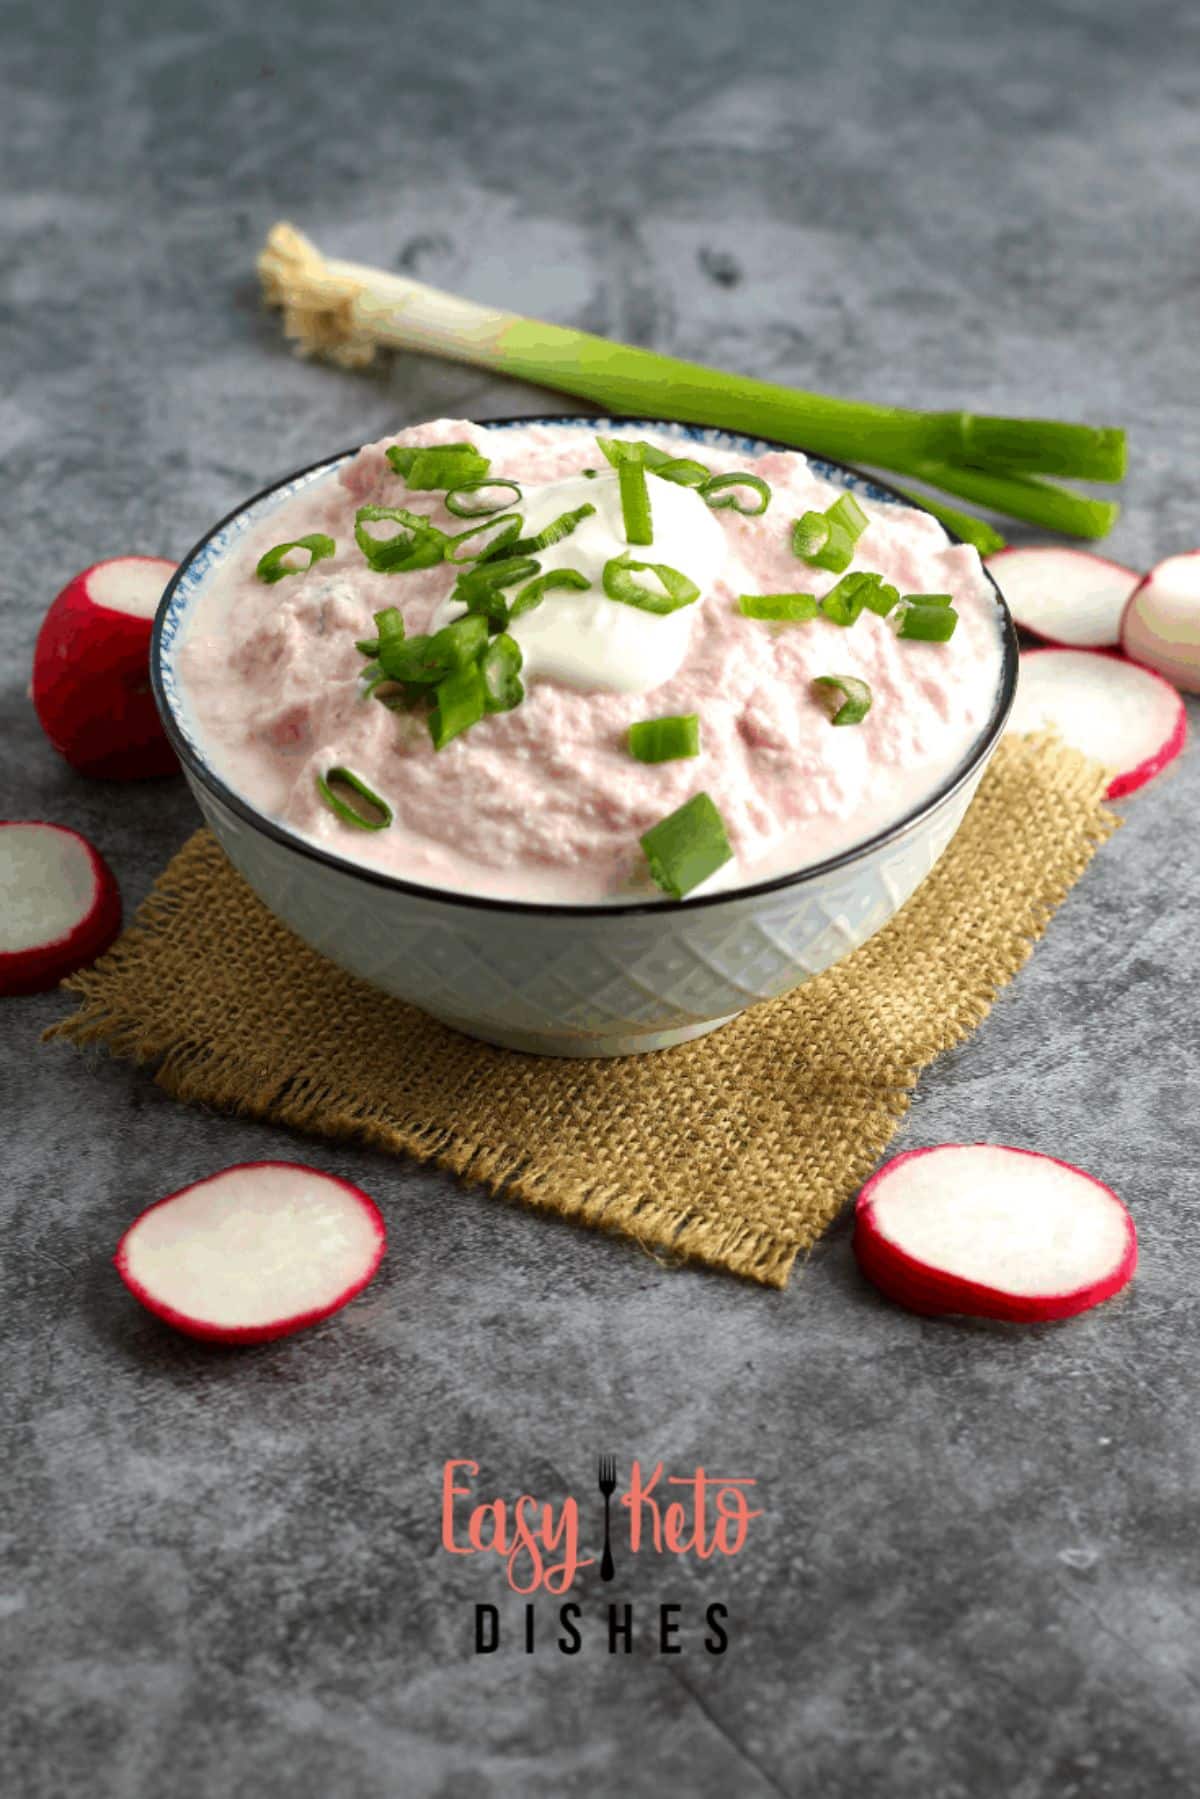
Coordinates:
255	1252
59	905
1068	597
1123	716
987	1231
1161	626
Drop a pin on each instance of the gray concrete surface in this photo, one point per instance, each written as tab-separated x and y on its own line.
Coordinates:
976	1569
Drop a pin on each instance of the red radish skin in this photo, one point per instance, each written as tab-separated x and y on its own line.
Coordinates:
254	1252
60	907
1087	1247
91	671
1123	716
1068	598
1161	626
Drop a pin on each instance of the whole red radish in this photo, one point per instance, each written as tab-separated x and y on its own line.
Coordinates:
257	1251
59	904
991	1232
1161	626
1123	716
91	671
1068	597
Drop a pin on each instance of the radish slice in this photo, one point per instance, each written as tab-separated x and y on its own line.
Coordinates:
91	671
990	1232
1123	716
257	1251
1161	626
59	905
1066	596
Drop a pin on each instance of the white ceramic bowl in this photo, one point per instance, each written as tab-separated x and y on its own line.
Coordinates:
564	980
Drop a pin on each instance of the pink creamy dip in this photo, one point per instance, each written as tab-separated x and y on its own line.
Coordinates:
545	803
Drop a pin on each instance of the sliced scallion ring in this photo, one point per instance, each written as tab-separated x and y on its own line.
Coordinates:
665	739
620	583
550	534
418	544
683	470
461	703
845	522
271	566
438	465
809	535
532	593
925	624
362	821
728	484
459	642
500	667
505	527
454	504
687	846
635	502
844	602
845	698
783	608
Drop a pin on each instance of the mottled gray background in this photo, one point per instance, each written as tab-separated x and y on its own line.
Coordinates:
976	1571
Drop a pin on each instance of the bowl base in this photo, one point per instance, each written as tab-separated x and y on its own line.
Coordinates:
539	1043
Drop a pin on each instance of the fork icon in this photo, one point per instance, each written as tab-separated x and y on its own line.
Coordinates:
607	1482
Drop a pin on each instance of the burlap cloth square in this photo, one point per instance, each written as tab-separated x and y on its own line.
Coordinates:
736	1150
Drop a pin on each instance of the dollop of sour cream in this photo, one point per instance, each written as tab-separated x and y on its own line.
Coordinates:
585	639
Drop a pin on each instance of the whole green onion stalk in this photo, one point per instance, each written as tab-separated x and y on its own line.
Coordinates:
347	311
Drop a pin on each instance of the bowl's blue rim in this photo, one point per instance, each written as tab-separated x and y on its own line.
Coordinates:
272	828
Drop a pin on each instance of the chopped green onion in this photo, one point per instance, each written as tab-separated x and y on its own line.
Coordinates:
926	624
619	584
412	661
619	449
479	589
635	502
845	698
591	473
719	483
459	642
454	505
550	534
532	593
438	465
844	602
848	514
507	528
461	703
390	624
784	608
271	566
687	846
418	545
810	534
665	739
845	521
500	667
878	596
838	553
929	599
344	810
685	471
